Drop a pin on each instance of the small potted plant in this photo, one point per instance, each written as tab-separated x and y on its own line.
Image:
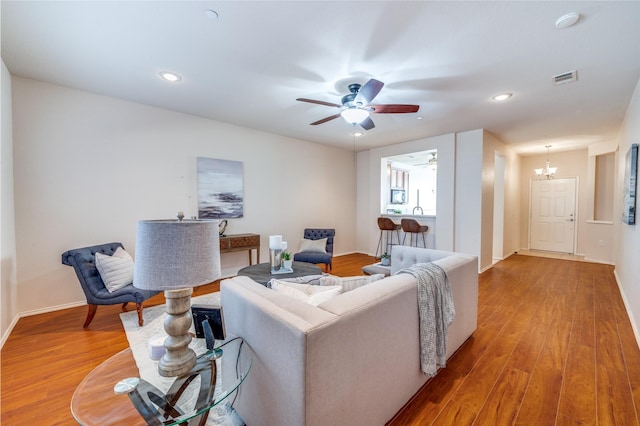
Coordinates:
385	259
287	261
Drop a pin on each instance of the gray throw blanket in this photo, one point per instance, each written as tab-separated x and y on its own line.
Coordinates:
436	313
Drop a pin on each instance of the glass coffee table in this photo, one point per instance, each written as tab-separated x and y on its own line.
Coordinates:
261	272
113	393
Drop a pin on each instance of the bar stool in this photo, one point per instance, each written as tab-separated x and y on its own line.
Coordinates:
386	224
411	226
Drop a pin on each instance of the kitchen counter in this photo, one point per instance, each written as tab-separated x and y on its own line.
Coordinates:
413	216
429	220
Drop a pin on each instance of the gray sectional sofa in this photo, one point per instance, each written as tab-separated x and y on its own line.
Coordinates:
352	360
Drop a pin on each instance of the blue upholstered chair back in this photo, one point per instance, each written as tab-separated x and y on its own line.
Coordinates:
315	257
83	262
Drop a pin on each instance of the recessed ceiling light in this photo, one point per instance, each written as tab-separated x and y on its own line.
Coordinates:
419	117
568	20
502	97
211	14
358	134
169	76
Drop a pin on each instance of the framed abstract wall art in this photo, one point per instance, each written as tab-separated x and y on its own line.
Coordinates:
630	179
220	188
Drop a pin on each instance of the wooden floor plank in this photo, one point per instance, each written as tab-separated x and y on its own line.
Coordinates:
554	346
578	396
470	398
540	403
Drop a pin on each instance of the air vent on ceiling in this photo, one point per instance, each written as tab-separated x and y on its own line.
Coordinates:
564	78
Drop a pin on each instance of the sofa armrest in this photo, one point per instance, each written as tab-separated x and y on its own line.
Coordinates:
275	327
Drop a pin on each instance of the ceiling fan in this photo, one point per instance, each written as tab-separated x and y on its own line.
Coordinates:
356	107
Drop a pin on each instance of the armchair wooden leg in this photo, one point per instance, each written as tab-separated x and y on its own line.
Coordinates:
139	308
124	306
90	314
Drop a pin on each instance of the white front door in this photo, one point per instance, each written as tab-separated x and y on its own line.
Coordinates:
553	208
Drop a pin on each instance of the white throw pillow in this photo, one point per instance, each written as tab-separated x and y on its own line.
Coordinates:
349	283
319	246
311	294
116	271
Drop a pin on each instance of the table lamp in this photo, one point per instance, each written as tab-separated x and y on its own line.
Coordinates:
175	256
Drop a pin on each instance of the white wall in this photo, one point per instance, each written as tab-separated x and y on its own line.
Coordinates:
599	233
88	167
475	181
469	193
490	147
627	237
8	284
512	217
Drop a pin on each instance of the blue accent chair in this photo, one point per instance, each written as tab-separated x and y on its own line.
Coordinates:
83	262
317	257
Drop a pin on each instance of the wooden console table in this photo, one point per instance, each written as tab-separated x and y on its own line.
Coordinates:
241	242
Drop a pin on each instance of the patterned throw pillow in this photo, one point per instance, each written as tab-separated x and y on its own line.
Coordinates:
312	294
116	271
307	279
349	283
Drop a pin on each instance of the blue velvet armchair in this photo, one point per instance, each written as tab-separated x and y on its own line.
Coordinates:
317	257
83	262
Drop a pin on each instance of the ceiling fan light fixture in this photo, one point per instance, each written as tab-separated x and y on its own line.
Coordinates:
433	161
354	115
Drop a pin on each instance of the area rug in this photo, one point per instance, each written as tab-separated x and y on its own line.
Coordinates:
153	327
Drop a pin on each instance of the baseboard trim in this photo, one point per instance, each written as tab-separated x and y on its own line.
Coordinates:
52	309
6	335
486	268
636	332
604	262
15	320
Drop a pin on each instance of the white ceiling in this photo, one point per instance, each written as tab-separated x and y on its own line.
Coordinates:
250	64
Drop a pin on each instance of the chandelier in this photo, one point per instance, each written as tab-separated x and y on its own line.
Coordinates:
548	171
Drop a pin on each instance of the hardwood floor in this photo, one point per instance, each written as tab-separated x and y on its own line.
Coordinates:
553	346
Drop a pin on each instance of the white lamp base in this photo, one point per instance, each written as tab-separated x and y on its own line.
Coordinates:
179	358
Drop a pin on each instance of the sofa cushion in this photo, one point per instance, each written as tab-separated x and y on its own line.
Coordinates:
319	246
312	294
116	271
349	283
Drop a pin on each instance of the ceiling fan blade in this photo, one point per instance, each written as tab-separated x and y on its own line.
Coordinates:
394	108
367	124
369	91
324	120
313	101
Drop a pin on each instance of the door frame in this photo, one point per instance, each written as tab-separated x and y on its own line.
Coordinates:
575	214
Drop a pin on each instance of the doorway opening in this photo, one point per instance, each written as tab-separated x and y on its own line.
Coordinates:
411	183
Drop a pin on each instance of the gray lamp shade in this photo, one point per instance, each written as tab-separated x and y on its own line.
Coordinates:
173	254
